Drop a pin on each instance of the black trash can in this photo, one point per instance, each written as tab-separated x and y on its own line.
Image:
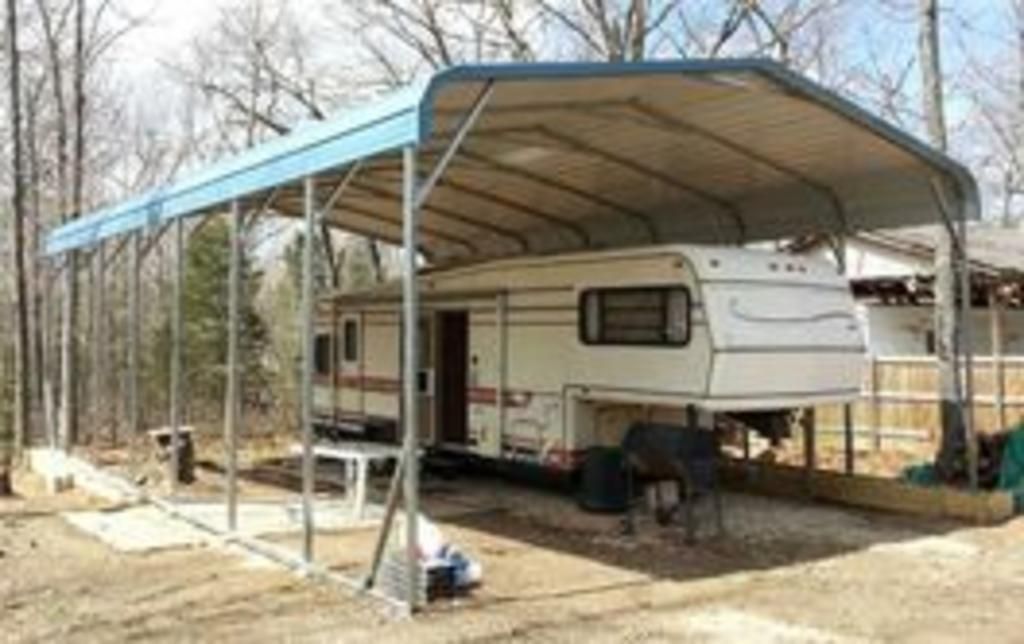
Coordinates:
602	483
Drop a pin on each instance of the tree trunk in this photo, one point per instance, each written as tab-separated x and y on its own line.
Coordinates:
69	305
638	30
1019	151
952	441
78	170
37	320
21	383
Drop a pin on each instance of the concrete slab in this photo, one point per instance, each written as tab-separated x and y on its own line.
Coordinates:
138	529
145	527
275	517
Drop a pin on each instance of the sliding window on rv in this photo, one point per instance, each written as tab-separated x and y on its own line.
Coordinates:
653	316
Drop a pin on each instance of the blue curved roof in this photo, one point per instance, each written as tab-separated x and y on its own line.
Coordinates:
407	118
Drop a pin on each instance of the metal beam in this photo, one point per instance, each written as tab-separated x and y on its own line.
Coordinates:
548	182
125	240
466	124
306	394
329	205
591	149
232	398
670	123
517	206
340	189
264	207
134	324
69	356
539	106
332	265
448	213
198	228
378	218
176	349
390	507
122	244
100	405
997	334
731	209
501	324
411	345
155	238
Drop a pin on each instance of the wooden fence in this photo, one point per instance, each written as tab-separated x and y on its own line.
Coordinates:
898	407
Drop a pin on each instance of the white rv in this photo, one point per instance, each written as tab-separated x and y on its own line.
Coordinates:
538	359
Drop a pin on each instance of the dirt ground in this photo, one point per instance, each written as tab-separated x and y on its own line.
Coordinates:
785	572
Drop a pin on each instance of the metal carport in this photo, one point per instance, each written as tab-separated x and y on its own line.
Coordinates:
484	161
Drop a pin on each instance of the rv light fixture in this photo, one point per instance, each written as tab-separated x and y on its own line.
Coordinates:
525	155
730	80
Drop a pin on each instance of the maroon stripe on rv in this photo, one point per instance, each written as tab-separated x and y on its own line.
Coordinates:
386	385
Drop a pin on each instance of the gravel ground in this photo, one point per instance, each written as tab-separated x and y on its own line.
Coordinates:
785	572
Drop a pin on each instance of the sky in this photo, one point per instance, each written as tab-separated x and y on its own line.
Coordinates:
168	26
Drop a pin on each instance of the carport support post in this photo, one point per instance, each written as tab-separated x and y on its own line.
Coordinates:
68	356
134	308
998	368
99	348
306	332
176	337
231	398
410	331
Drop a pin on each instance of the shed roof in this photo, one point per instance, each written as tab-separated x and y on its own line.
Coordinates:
571	156
992	248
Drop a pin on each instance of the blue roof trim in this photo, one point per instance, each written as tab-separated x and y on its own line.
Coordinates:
406	118
311	148
567	71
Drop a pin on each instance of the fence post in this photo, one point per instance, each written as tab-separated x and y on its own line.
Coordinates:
876	408
999	372
807	420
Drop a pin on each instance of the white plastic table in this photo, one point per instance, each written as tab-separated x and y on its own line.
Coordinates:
356	456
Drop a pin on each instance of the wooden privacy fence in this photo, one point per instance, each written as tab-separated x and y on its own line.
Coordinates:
899	406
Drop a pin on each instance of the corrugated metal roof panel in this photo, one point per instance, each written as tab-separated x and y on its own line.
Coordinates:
575	156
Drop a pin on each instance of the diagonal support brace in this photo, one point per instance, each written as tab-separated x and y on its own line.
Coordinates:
465	126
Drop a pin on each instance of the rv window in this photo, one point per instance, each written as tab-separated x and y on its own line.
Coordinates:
650	315
351	346
322	354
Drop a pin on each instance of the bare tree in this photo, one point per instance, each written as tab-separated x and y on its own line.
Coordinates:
256	74
945	283
611	31
54	22
21	375
73	384
994	83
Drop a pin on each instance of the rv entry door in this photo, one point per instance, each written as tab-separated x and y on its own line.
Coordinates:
452	378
